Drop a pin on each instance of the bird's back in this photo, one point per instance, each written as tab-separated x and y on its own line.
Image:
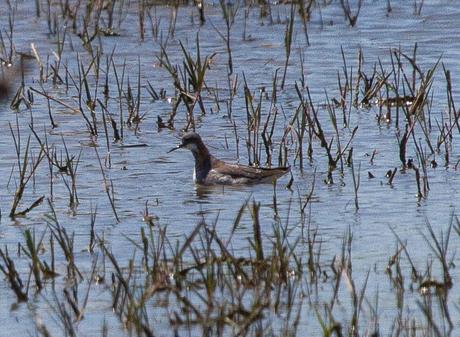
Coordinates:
225	173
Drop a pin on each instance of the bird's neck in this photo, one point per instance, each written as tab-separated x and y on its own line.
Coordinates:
202	163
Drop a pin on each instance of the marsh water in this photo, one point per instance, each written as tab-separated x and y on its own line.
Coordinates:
143	173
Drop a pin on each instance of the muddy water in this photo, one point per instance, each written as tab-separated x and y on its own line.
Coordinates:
150	175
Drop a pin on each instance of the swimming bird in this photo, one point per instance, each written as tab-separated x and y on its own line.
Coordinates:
209	170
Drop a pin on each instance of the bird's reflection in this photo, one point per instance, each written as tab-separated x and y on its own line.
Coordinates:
203	192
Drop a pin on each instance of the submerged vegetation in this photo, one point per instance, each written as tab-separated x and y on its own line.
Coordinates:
267	271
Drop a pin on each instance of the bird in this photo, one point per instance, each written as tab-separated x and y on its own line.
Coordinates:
212	171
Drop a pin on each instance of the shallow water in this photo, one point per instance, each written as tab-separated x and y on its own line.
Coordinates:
150	174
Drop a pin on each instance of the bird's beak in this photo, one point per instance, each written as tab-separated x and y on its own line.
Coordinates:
175	148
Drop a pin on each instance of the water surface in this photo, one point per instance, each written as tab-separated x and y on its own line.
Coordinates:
150	175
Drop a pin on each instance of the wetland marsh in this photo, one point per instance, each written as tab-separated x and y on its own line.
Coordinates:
102	232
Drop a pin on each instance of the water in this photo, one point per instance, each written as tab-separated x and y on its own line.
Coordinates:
150	175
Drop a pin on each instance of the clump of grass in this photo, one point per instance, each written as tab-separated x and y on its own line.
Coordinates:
289	31
229	12
189	87
24	159
352	18
315	125
8	268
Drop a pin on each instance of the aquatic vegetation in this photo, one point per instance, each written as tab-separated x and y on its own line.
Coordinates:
126	244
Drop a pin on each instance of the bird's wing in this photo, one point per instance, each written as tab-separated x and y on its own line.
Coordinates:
252	173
